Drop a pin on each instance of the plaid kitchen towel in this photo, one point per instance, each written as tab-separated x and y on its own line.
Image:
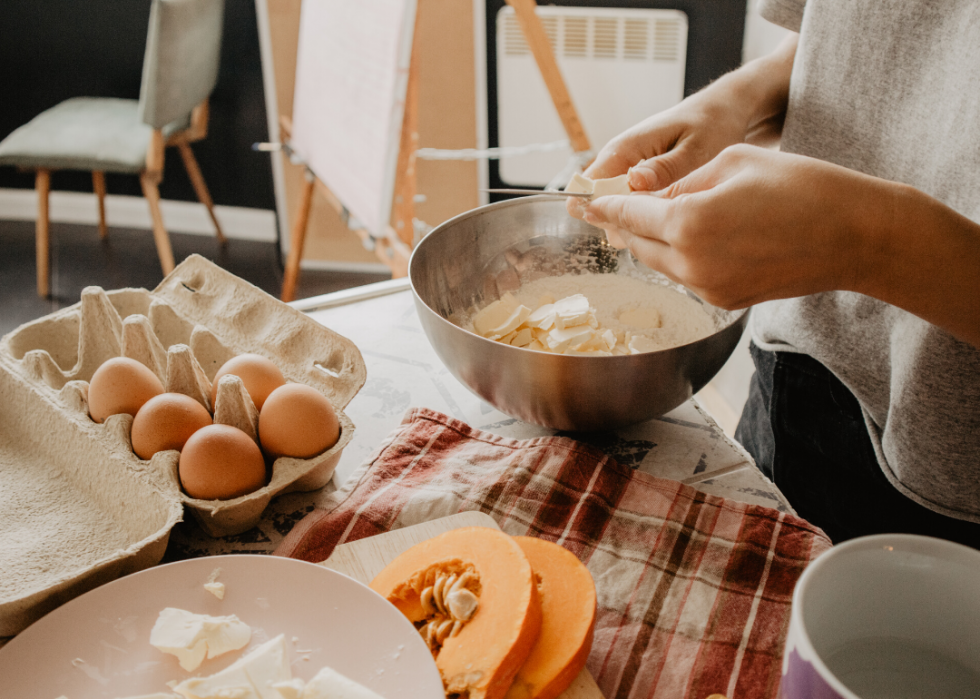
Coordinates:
693	590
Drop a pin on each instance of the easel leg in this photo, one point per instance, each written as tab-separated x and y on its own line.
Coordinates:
297	238
406	179
42	240
98	185
543	51
160	236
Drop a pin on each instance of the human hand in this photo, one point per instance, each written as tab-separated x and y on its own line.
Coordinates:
663	148
745	105
749	226
667	146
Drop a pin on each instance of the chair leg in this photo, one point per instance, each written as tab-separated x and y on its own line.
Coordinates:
160	236
42	183
98	185
197	180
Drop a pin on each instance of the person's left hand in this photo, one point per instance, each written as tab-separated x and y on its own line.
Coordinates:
749	226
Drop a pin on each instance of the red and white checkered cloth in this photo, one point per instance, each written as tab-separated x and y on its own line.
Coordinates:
694	590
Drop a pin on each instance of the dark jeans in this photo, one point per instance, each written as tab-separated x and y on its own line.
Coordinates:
806	432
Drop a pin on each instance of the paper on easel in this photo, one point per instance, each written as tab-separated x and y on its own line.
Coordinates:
351	79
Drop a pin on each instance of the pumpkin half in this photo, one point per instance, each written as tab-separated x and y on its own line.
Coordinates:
471	593
568	609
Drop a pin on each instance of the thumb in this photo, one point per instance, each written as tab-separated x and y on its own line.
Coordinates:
727	166
706	177
658	172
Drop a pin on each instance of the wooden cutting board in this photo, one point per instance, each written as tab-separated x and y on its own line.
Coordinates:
365	558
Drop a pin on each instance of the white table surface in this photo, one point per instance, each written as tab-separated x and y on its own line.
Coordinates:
403	371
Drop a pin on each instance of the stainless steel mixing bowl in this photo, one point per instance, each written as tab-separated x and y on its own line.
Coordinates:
469	260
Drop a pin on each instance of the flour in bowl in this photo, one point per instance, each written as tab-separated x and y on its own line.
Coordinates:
594	315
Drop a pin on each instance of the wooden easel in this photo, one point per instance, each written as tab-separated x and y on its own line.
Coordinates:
395	247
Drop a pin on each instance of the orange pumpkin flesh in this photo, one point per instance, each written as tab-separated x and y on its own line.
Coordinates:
482	658
568	608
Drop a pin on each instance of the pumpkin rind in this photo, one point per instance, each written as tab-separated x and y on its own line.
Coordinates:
481	660
568	610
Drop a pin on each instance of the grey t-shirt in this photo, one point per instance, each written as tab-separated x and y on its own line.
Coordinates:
891	88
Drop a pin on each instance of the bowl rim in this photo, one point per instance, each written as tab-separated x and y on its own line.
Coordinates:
899	543
738	315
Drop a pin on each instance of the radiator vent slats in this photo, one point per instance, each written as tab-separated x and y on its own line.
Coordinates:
605	42
636	39
576	37
514	44
599	36
666	40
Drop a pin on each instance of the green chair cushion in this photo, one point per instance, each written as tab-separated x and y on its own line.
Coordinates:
82	133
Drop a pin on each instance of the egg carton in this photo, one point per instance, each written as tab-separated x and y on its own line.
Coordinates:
79	508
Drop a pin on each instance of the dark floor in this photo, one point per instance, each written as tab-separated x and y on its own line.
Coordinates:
129	259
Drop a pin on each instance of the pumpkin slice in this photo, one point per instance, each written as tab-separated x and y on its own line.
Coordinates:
471	593
568	608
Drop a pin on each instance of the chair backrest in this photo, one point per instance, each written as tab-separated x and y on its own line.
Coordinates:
180	68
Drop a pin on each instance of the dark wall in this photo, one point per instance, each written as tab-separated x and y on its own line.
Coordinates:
55	49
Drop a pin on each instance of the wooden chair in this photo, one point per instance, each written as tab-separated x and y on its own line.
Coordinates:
180	69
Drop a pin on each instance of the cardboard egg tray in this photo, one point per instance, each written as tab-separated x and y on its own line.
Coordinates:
79	508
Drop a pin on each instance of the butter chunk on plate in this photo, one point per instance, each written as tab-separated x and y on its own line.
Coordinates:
250	677
265	673
327	684
193	637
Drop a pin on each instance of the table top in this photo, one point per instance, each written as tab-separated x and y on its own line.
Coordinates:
403	371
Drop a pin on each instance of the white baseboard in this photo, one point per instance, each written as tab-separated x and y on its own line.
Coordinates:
132	212
237	222
340	266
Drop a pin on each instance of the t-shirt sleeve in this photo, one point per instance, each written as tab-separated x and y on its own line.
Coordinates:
785	13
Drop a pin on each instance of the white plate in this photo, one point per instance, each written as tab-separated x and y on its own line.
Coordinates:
97	645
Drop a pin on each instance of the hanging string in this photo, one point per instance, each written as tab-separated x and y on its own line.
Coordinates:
489	153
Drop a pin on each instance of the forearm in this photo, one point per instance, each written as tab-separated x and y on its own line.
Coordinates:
922	256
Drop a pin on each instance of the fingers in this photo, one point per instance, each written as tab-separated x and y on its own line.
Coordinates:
575	206
652	137
617	237
662	171
704	178
726	165
637	214
653	253
612	161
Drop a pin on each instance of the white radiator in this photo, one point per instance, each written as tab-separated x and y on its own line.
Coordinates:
620	65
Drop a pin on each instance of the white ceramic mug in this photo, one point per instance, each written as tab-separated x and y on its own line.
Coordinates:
891	615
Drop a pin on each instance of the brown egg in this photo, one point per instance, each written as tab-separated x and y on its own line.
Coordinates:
297	420
166	422
121	385
219	462
260	376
